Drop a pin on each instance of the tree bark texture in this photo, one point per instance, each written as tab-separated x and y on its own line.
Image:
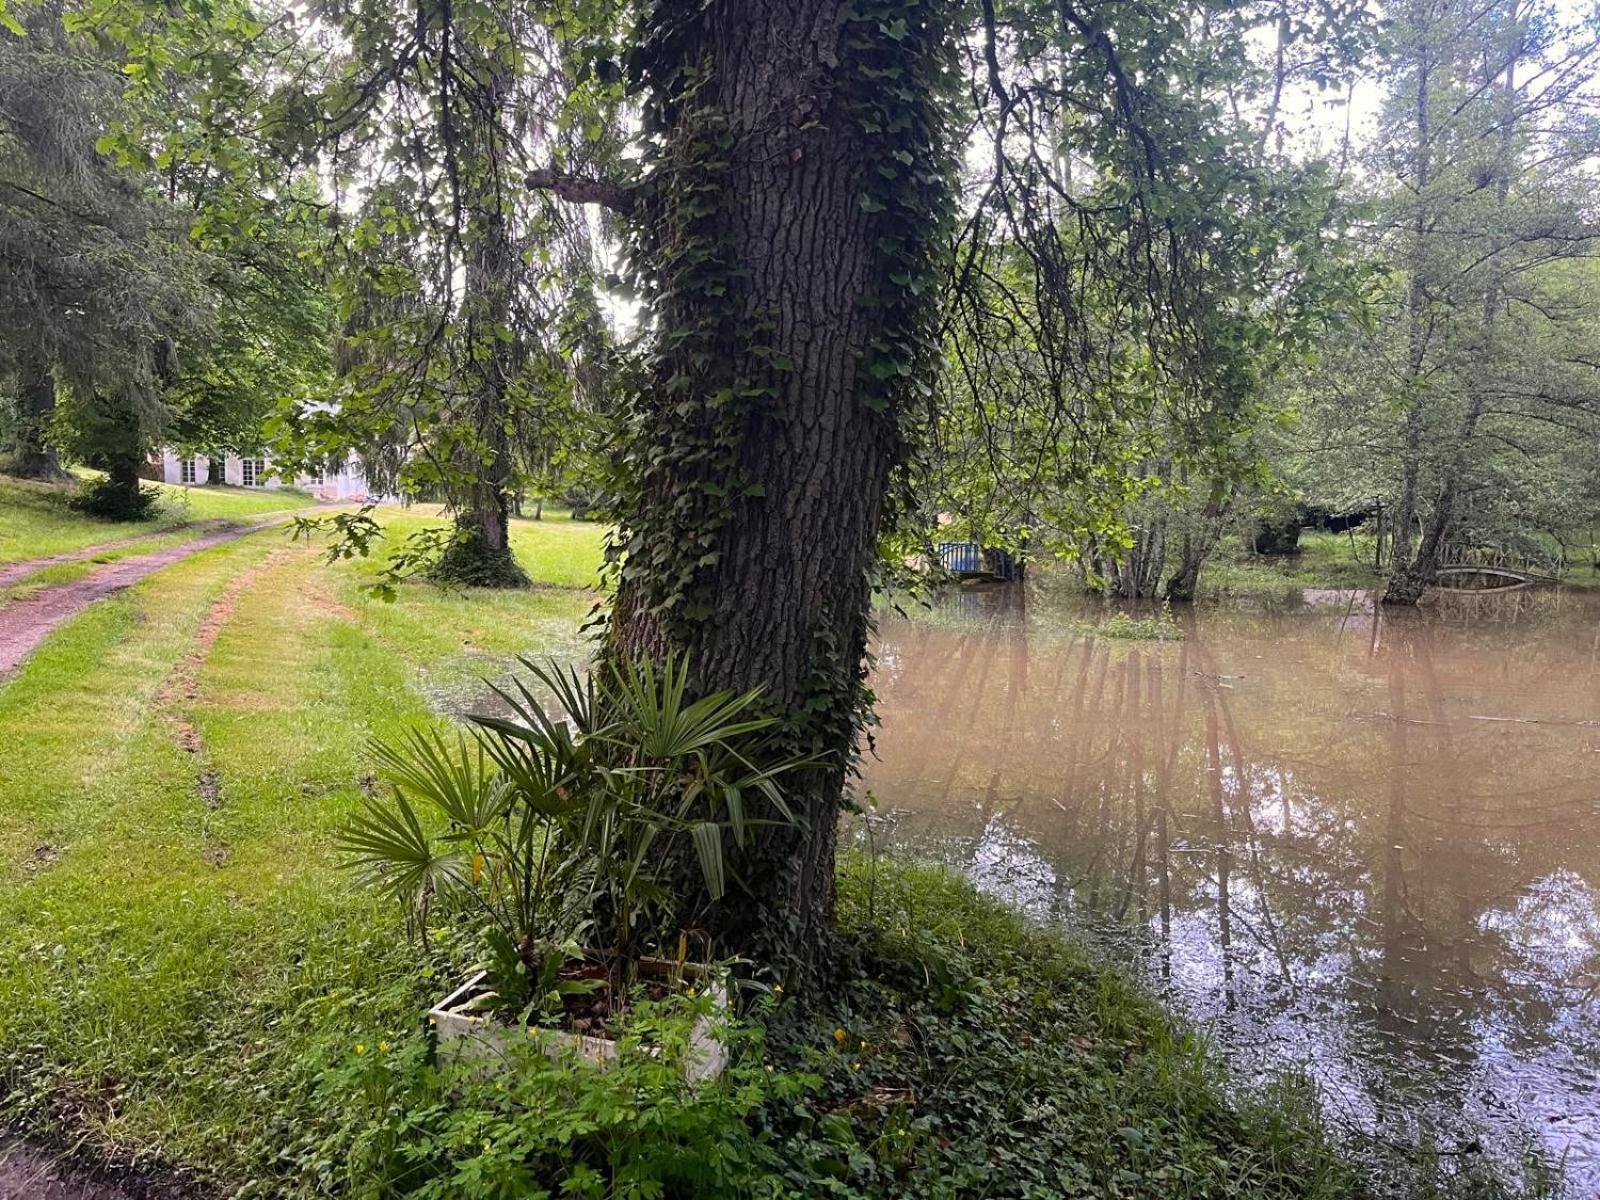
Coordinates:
489	304
765	450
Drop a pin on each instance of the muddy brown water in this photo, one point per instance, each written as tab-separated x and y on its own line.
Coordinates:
1359	842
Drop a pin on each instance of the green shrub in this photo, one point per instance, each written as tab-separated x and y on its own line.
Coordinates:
116	500
541	1127
1158	627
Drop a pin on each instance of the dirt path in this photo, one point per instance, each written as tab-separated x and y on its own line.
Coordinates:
30	1173
28	620
14	572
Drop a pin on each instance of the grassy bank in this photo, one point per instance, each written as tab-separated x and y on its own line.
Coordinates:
1326	560
35	519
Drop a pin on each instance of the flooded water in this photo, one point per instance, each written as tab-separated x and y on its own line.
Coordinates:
1361	842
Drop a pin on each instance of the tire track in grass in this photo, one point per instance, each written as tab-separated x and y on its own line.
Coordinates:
28	620
182	688
73	1143
15	572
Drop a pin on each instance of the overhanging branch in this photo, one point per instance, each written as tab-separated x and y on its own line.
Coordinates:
582	189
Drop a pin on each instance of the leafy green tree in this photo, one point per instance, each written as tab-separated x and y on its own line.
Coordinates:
99	280
1479	370
1118	316
457	286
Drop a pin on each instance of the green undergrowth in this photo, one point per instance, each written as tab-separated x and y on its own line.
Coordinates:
971	1054
959	1054
467	560
1158	626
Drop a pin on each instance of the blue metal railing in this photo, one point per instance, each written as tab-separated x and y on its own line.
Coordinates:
962	558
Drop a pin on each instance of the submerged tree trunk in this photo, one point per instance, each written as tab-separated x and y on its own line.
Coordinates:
1414	573
1197	545
782	227
1185	581
32	456
1411	577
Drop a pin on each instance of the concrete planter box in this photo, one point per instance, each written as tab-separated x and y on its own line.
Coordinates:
468	1036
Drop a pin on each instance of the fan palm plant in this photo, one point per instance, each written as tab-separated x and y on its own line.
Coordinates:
559	830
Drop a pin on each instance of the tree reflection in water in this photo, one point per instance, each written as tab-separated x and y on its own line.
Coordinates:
1362	841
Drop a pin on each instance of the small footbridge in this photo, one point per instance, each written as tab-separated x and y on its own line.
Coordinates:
982	564
1479	571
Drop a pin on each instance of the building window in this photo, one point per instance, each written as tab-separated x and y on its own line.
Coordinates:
255	470
319	477
186	473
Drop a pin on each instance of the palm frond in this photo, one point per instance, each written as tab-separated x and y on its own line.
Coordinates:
389	847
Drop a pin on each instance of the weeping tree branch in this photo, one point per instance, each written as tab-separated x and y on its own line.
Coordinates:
583	189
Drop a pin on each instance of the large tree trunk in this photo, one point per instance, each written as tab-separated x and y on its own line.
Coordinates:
768	439
32	457
480	554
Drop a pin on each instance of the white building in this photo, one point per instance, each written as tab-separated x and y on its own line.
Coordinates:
341	483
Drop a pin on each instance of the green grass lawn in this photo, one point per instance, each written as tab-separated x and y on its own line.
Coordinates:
555	551
35	520
163	955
